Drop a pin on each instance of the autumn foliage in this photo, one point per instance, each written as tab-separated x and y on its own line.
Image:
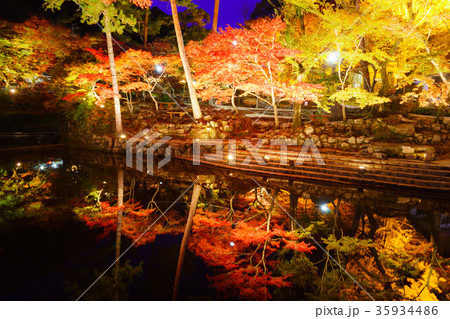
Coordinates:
249	60
243	251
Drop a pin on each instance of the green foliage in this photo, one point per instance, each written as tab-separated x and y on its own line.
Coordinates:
403	269
95	11
358	96
347	245
110	285
20	198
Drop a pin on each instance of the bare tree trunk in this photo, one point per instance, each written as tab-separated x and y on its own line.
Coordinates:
187	69
297	121
344	114
216	16
275	109
184	242
146	28
120	176
112	67
232	102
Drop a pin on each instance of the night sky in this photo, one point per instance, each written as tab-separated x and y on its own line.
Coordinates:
231	12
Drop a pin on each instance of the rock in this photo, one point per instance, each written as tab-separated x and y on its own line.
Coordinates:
352	140
331	140
248	101
380	156
309	129
428	156
344	146
402	200
446	120
403	129
323	137
407	150
418	137
370	149
360	139
435	127
315	138
436	139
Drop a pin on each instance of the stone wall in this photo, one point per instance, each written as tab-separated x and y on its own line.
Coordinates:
412	138
415	137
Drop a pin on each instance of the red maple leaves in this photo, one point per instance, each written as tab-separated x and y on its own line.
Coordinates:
243	253
250	60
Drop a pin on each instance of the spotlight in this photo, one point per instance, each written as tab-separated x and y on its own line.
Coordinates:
234	42
232	243
324	208
159	68
19	164
123	136
333	57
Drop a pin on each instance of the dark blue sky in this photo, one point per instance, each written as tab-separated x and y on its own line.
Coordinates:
231	12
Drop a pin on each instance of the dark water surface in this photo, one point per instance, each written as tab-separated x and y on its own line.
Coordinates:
58	234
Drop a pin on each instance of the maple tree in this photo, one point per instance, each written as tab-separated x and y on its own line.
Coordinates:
112	20
135	73
34	47
249	60
402	42
242	245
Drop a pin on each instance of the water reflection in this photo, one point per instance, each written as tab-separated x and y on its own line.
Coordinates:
228	238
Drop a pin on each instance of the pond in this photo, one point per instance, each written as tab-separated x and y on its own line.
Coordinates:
251	238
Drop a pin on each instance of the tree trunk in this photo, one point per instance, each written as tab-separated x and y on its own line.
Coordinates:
120	176
187	69
233	103
297	121
112	67
344	114
275	109
385	84
216	16
146	28
184	242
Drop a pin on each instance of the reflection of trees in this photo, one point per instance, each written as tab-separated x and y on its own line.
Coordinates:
184	242
243	249
256	251
22	195
109	286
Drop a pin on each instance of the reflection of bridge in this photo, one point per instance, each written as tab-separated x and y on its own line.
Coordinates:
347	170
384	202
